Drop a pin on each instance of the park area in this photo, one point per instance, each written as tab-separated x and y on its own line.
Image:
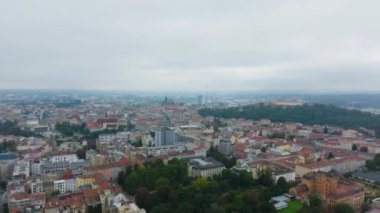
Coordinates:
293	206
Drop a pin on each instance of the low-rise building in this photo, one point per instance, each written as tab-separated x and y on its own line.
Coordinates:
109	171
36	186
277	170
19	200
64	158
203	167
130	208
21	169
65	186
331	187
372	177
226	147
342	165
84	180
38	200
58	167
159	150
74	203
376	203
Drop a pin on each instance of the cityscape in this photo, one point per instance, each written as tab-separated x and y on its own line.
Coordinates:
177	106
96	153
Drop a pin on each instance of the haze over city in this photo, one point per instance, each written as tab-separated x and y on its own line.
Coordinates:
178	106
190	45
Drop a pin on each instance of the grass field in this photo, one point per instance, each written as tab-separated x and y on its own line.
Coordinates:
293	206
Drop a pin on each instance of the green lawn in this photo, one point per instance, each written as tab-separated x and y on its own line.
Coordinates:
293	206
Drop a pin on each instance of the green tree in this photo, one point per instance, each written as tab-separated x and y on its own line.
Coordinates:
98	208
265	178
278	135
229	162
309	114
163	208
290	137
354	147
3	184
142	196
8	127
162	186
55	193
282	186
168	188
342	208
330	156
185	207
263	149
81	153
121	178
325	130
5	208
67	129
315	201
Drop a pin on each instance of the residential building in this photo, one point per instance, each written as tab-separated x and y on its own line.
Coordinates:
36	167
58	167
64	158
38	200
65	186
36	186
164	137
155	151
276	169
21	169
19	200
226	147
109	171
73	203
85	180
342	165
331	187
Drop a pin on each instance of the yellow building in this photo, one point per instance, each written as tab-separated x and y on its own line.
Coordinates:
332	188
284	148
84	181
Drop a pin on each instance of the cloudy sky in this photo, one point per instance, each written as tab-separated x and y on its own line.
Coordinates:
196	45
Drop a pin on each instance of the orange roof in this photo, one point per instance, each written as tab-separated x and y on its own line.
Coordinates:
39	196
20	196
73	200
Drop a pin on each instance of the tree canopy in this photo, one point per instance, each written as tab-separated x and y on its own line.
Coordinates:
374	165
307	114
168	188
229	162
10	128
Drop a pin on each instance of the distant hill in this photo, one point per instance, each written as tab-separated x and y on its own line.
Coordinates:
307	114
357	101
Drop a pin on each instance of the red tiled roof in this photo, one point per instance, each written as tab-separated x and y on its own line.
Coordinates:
20	196
72	200
104	166
39	196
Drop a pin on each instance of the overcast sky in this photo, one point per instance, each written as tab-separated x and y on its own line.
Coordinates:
196	45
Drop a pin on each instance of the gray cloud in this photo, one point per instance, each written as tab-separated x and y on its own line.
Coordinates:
190	45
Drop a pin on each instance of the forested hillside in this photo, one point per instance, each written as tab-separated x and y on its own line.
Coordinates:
306	114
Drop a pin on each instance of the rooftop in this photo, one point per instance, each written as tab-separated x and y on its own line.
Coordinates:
203	163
